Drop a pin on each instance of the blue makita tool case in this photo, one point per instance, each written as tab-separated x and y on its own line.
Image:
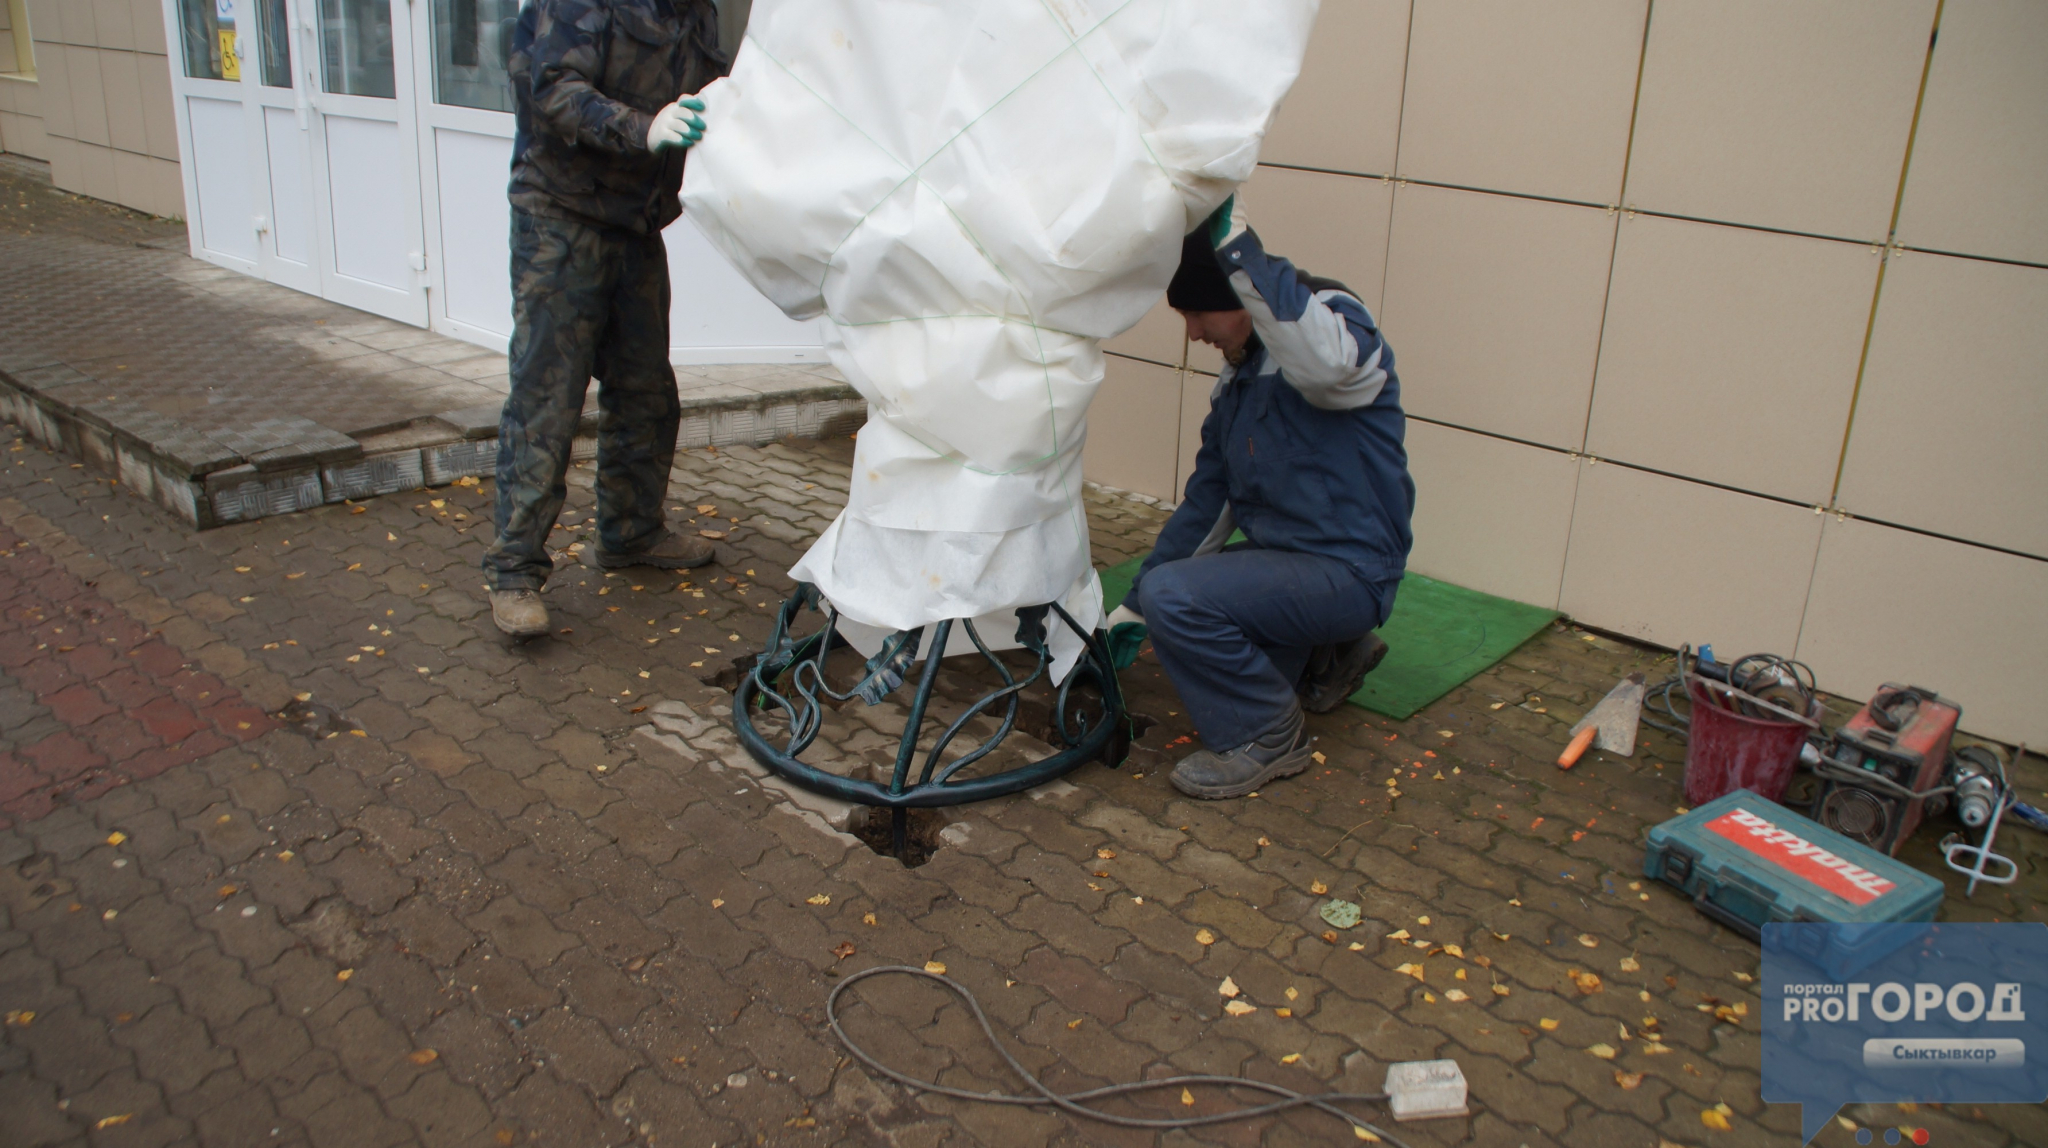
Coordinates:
1748	862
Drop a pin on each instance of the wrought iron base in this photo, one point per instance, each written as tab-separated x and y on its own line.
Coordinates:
790	676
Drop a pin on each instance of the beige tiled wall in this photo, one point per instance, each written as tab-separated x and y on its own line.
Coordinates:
1513	96
1634	416
1793	116
1950	423
1730	354
1345	112
1489	513
1493	307
1980	159
101	110
1892	605
1671	561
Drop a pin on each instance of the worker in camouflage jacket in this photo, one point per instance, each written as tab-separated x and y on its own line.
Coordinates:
604	114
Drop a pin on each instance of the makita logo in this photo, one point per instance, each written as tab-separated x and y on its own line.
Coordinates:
1797	855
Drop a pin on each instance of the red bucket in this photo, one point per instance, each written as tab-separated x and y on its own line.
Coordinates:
1726	751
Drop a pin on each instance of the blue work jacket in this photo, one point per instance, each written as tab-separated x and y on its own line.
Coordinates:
1302	448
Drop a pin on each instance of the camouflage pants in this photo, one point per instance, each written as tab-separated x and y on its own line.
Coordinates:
587	302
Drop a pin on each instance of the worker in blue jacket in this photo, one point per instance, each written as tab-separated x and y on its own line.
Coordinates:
1302	452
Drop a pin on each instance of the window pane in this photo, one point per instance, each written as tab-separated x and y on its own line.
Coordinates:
472	42
204	27
355	48
276	43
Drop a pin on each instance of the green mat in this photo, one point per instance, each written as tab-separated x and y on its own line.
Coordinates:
1439	636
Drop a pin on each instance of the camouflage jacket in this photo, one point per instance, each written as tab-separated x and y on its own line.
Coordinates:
587	78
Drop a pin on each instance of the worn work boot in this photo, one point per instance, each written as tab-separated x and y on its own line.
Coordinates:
1281	752
519	613
1335	671
671	551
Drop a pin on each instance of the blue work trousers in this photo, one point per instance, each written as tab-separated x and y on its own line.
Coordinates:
1234	630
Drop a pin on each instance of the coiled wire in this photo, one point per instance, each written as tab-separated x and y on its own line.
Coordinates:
1074	1103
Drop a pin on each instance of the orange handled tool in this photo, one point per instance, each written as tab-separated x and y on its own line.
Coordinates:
1570	756
1612	723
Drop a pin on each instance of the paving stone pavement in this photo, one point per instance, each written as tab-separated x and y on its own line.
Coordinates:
225	397
363	873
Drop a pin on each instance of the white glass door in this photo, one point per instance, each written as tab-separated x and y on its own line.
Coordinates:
363	139
279	120
207	93
465	133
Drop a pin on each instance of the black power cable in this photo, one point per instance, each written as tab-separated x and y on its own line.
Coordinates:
1073	1102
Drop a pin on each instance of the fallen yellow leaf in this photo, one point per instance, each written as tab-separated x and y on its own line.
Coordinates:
113	1121
1589	940
1318	888
1075	1023
1239	1008
116	837
1398	935
424	1056
1359	1131
868	919
344	974
1715	1120
1629	1081
1293	993
1204	937
1500	990
1187	1098
1410	970
1290	1058
1456	995
1630	965
1454	951
1547	1025
1422	920
1603	1051
936	968
818	899
1106	853
718	902
1228	988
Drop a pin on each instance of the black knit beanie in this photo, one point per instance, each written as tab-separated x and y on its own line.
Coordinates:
1200	284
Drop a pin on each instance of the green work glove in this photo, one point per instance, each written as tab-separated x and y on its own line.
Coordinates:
1126	636
1226	223
674	126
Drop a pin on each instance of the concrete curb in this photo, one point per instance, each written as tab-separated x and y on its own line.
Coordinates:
208	477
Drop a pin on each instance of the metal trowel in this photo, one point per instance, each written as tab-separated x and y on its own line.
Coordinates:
1611	725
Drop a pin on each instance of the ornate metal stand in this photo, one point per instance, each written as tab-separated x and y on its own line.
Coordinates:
790	675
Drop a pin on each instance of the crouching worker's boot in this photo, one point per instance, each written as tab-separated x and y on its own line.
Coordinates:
1282	751
519	613
1335	671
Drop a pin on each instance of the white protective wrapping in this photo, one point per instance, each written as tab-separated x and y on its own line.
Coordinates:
973	194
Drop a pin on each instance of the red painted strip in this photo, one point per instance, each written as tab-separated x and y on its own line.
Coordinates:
1800	857
130	705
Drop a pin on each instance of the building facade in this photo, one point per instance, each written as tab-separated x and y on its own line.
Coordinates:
1718	320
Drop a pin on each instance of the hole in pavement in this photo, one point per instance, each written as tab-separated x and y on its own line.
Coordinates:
872	825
